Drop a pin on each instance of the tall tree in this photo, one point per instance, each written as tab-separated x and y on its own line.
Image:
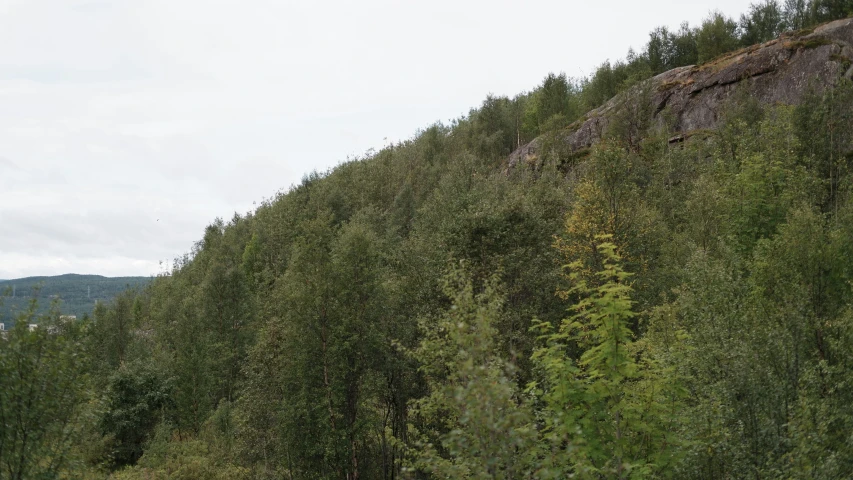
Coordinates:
473	423
764	22
610	412
716	36
42	398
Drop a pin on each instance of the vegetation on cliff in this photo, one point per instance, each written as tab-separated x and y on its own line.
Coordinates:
652	309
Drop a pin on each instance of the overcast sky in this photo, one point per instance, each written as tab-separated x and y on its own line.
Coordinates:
128	126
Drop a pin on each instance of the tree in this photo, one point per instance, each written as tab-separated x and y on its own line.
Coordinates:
608	202
667	50
328	357
823	126
42	398
136	401
610	413
764	22
716	36
494	127
602	85
796	13
555	106
473	423
111	331
826	10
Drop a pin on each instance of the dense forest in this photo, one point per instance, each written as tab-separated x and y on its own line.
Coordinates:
75	294
645	309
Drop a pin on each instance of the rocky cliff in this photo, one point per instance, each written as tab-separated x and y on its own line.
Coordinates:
691	98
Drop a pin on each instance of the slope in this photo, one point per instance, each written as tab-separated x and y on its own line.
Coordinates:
691	99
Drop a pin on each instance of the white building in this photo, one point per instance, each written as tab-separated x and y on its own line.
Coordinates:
2	326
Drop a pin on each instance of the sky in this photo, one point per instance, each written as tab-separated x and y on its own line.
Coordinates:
127	126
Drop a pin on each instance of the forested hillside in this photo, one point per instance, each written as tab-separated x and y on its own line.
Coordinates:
76	294
643	308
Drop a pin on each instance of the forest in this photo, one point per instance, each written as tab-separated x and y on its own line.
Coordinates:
75	294
643	309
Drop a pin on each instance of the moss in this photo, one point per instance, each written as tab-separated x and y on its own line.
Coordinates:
576	125
808	43
841	59
574	158
802	33
721	61
697	134
669	85
757	46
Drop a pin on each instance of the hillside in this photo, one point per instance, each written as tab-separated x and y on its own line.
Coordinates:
691	99
76	294
648	293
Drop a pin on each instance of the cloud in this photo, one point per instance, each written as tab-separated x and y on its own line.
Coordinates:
114	114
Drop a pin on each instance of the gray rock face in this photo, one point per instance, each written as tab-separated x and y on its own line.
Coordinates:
691	98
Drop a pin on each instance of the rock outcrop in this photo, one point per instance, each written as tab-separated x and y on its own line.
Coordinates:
691	98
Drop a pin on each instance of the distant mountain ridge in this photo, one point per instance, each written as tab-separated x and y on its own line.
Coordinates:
77	294
71	276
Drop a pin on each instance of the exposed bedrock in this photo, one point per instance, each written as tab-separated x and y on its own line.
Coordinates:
691	98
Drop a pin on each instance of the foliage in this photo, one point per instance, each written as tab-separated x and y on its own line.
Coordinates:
667	50
716	36
764	22
471	424
136	400
373	321
78	294
43	398
608	414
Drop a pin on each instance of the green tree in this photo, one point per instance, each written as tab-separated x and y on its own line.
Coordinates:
494	127
796	13
555	103
42	398
112	330
137	399
826	10
667	50
611	412
603	85
716	36
473	423
332	333
823	126
764	22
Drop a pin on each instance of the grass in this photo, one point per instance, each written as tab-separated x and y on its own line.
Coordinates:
807	44
841	59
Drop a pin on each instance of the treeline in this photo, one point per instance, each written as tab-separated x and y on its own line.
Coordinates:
651	310
502	124
76	294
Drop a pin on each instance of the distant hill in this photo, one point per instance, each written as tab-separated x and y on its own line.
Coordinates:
76	294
